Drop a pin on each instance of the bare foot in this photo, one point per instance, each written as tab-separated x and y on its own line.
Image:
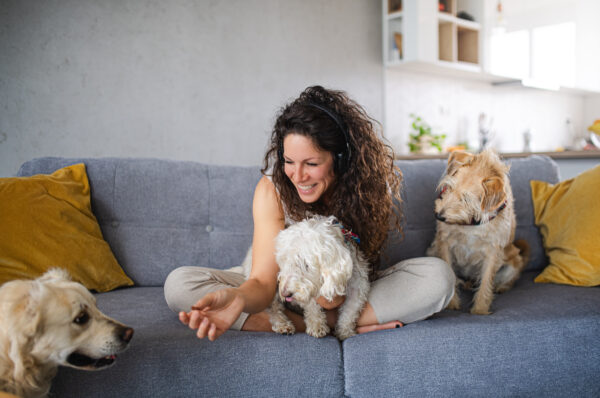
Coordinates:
260	322
257	323
383	326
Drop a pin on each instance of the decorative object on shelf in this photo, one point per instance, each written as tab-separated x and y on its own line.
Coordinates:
485	131
579	138
444	6
398	43
465	15
500	15
394	6
595	133
457	147
423	141
527	141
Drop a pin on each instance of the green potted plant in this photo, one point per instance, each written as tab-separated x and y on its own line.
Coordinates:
422	140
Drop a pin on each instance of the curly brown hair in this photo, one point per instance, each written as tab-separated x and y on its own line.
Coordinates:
365	195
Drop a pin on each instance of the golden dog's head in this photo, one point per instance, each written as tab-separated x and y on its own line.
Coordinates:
473	190
53	321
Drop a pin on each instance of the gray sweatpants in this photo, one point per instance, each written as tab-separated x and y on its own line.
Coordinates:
409	291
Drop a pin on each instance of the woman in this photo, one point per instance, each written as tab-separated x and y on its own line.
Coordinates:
324	158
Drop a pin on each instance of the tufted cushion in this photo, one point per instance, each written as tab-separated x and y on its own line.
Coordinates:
158	215
421	178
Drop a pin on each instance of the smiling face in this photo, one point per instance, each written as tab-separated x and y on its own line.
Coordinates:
309	168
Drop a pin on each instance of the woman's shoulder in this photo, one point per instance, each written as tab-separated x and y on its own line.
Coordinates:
266	197
265	186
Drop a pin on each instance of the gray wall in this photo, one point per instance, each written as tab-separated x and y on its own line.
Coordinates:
193	80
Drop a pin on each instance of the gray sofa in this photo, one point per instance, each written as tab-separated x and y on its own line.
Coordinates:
541	340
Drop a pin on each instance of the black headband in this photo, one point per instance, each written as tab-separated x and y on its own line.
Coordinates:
337	121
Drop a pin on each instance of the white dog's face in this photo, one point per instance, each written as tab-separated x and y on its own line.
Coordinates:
314	260
59	320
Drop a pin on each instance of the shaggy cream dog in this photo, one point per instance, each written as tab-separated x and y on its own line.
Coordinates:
318	257
52	321
476	226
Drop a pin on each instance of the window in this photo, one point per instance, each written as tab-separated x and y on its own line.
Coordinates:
544	54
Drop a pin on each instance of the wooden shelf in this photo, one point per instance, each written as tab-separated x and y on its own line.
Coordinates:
395	15
430	35
467	45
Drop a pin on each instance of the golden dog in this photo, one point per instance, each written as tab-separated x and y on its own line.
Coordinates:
48	322
476	227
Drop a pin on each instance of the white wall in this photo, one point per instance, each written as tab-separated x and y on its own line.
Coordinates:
591	110
453	106
195	80
202	79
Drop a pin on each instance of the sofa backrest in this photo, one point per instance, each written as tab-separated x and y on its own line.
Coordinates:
421	178
158	215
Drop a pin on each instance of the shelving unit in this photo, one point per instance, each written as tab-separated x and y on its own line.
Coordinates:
432	32
393	31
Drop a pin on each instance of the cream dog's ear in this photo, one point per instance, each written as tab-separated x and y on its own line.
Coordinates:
24	317
24	312
458	159
336	273
55	274
494	193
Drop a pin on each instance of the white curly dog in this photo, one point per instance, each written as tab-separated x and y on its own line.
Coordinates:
317	257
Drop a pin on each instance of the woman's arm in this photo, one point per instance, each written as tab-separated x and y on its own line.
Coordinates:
216	312
269	220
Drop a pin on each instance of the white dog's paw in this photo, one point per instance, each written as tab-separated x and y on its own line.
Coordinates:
342	333
286	327
317	330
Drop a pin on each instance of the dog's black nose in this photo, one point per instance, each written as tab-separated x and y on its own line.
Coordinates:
125	334
440	217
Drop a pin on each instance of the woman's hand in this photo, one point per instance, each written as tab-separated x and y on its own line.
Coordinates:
214	314
330	305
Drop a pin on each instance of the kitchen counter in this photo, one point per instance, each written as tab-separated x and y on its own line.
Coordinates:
570	163
591	154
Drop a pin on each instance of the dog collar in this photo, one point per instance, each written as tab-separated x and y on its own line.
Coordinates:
498	210
349	236
478	222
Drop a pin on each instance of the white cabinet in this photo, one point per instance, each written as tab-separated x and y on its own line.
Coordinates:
532	43
553	43
434	34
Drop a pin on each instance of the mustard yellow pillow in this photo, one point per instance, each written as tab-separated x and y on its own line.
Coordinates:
568	215
47	221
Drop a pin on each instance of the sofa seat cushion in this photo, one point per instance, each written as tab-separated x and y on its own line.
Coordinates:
541	340
165	356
